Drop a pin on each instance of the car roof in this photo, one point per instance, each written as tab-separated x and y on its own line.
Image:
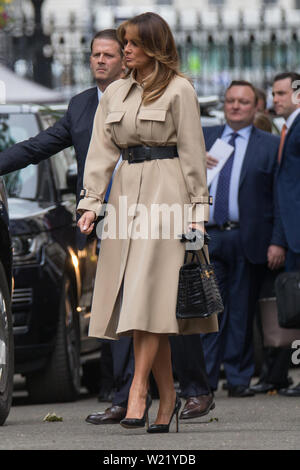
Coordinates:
212	100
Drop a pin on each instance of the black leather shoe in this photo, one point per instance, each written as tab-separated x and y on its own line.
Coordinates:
262	387
290	392
240	391
196	407
112	415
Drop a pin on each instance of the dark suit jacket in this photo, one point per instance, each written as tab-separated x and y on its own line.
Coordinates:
74	128
288	186
259	219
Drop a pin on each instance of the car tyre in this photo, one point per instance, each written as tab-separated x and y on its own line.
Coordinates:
60	380
6	349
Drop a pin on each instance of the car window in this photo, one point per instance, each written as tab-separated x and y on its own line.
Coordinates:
60	164
13	129
22	183
16	127
62	160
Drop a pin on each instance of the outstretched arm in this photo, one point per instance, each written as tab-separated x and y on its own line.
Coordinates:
38	148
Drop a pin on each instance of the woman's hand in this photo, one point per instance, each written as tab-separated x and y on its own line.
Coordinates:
197	226
86	222
197	242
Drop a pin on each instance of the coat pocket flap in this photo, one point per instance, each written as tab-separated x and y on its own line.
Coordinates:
114	116
152	114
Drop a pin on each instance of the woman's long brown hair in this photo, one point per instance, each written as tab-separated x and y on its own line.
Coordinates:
157	41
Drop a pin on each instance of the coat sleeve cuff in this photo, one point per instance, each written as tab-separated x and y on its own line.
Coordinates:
89	204
198	213
202	200
199	209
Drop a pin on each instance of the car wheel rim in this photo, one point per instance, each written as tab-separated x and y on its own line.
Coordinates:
3	344
72	341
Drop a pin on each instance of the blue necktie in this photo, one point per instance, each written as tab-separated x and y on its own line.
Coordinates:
221	210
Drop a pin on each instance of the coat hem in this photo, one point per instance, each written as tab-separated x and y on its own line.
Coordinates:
129	333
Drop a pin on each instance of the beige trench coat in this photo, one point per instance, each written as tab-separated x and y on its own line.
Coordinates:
137	279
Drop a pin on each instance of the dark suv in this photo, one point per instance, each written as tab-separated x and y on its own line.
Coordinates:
53	278
6	334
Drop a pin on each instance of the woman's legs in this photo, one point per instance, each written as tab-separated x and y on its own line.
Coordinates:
145	349
151	351
163	374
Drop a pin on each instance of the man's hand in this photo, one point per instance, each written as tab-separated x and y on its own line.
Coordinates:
86	222
210	161
276	256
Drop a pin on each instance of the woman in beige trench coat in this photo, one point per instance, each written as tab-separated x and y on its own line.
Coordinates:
137	276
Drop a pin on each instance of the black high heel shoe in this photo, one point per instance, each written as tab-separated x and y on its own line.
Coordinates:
156	428
131	423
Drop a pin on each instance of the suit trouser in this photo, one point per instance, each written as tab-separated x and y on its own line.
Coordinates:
277	360
239	282
189	365
123	369
188	362
106	374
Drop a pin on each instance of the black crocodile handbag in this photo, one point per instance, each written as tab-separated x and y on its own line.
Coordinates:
198	292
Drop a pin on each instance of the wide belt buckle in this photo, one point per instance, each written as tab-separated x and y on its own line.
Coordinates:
131	157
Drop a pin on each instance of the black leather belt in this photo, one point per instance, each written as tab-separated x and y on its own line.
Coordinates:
142	152
227	226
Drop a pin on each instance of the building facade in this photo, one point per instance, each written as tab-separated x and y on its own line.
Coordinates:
218	40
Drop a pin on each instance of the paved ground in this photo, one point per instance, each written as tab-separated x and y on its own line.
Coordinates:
260	422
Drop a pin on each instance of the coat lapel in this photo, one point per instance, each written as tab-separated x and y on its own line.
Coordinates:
296	120
210	138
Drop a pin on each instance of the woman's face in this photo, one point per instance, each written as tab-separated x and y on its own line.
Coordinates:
135	57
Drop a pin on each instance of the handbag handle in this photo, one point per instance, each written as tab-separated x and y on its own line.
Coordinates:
188	238
195	255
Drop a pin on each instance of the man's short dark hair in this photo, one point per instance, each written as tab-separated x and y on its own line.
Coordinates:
108	34
294	76
244	83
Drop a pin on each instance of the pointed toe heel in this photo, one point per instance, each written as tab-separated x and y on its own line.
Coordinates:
132	423
164	428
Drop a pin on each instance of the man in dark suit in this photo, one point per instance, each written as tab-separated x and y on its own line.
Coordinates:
245	235
75	129
286	100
